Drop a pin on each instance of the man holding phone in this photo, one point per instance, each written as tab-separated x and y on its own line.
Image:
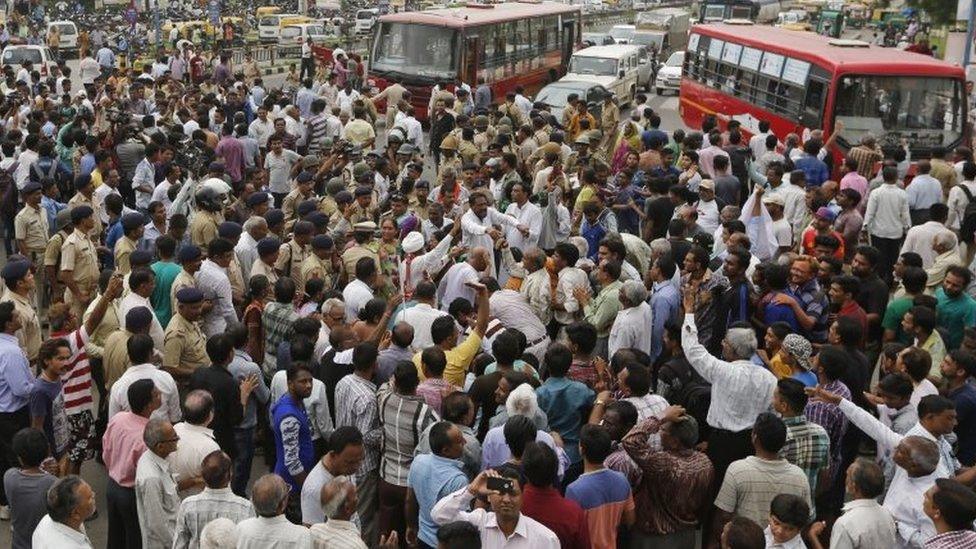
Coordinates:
503	489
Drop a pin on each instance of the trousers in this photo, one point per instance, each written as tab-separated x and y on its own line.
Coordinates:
10	423
123	519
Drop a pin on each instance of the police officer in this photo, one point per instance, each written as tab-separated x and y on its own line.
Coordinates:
318	264
185	347
364	243
132	229
31	232
207	218
19	282
79	261
52	254
293	253
190	258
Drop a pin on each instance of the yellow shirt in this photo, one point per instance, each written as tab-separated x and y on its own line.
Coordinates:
458	360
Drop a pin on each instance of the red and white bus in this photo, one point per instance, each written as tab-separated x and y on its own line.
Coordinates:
510	44
800	81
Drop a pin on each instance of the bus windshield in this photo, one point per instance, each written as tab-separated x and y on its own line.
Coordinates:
714	12
927	111
597	66
422	50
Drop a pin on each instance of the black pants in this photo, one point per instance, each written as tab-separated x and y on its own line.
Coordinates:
889	248
724	447
307	68
10	423
123	519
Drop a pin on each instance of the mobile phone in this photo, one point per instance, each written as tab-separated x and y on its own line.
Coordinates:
501	485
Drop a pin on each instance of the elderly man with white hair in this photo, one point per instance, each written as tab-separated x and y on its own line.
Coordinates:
632	327
339	499
495	450
740	390
220	533
270	529
946	255
246	249
333	314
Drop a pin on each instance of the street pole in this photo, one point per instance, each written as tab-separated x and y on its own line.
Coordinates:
967	55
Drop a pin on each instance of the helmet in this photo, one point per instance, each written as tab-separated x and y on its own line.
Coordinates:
207	198
449	143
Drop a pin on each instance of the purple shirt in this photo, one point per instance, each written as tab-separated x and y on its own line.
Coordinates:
232	151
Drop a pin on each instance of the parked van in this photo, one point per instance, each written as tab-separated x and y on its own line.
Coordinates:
294	35
69	34
40	57
269	26
616	68
365	19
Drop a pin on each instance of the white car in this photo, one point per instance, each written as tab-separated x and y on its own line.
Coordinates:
669	75
68	34
40	57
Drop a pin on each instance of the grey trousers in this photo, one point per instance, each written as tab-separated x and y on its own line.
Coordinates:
368	506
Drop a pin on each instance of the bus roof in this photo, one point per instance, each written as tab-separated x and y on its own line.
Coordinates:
474	16
829	52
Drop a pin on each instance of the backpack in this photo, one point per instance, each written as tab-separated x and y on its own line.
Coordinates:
51	174
687	388
967	227
8	188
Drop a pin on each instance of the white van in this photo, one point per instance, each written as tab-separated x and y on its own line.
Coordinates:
69	34
294	35
269	26
365	19
616	68
40	57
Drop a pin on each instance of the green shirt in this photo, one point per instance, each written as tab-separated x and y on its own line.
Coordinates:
602	311
892	319
954	315
166	272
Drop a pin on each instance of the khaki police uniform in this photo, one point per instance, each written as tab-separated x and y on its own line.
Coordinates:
123	249
235	275
29	334
203	228
52	258
115	357
290	258
290	204
312	268
184	345
261	268
353	255
182	280
78	256
31	226
80	200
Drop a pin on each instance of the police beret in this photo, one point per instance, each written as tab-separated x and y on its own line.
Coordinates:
364	226
322	242
268	245
189	253
82	181
304	177
139	318
303	228
274	217
141	257
15	270
318	219
343	197
363	191
306	207
81	212
189	295
257	199
30	187
132	221
229	229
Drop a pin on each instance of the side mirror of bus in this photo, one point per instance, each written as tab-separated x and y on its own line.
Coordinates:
621	74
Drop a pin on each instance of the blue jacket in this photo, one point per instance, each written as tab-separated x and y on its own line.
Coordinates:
287	407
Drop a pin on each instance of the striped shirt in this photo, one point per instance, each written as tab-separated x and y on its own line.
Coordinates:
278	320
77	380
196	511
317	128
336	534
830	417
403	418
807	447
355	405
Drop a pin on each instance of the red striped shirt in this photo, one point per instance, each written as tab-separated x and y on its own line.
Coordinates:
77	380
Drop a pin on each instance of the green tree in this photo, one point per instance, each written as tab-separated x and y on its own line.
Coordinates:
941	12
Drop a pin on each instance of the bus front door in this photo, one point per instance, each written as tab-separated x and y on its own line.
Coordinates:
471	50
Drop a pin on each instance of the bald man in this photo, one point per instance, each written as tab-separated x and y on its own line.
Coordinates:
270	528
216	500
400	349
339	501
456	281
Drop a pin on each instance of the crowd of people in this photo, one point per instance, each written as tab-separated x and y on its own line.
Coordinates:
298	320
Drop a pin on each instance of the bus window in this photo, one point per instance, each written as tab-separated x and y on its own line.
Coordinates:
813	104
424	50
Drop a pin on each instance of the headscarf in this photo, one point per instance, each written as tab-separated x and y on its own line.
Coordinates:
799	348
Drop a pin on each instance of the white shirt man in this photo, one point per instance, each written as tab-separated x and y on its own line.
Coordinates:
356	294
199	510
157	502
708	215
919	240
415	132
757	144
527	214
196	442
260	130
421	266
957	203
213	278
924	191
474	230
169	410
631	329
529	534
570	278
864	523
454	284
50	534
740	391
887	212
513	311
421	316
346	99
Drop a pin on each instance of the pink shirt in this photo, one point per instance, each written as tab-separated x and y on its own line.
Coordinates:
431	391
856	181
122	446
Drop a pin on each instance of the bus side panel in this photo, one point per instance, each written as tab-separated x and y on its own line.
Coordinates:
697	101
